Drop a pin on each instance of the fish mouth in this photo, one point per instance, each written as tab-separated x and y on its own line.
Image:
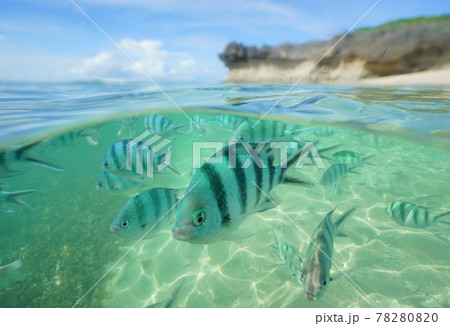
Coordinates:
114	229
311	296
178	235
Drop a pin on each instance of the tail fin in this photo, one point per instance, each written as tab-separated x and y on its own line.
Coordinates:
321	150
167	303
175	129
13	197
43	164
162	158
290	166
276	245
366	158
173	296
13	271
342	217
126	131
21	154
443	214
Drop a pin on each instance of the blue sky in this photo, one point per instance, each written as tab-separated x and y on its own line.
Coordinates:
173	40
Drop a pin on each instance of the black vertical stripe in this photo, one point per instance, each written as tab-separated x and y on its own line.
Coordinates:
167	124
263	131
108	180
140	209
153	117
415	214
251	134
258	174
239	175
271	171
169	197
427	215
274	129
218	190
161	125
402	211
114	156
156	201
3	160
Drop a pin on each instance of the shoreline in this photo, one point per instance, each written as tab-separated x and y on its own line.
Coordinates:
346	74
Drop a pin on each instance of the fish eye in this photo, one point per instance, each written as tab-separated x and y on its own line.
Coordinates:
199	218
106	164
241	138
125	223
324	283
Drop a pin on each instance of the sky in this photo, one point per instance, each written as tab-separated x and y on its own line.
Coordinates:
171	40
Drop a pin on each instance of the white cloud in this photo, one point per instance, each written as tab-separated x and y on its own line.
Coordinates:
2	37
187	63
148	55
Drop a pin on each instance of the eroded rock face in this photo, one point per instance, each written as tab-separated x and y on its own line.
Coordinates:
386	51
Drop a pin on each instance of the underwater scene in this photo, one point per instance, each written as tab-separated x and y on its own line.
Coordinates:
227	195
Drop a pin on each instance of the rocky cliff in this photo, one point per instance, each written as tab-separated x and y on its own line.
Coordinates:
395	48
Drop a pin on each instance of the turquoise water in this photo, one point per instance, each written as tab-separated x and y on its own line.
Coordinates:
70	257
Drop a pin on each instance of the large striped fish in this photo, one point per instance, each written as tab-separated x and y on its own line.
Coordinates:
147	210
219	196
410	215
161	125
317	263
289	255
115	160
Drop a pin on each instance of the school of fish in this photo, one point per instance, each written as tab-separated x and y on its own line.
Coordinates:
221	192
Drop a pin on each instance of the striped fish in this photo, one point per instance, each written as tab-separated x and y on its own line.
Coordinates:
147	210
115	160
13	197
111	182
350	158
289	255
410	215
199	126
160	125
220	196
72	138
126	127
335	173
231	122
16	154
317	264
263	131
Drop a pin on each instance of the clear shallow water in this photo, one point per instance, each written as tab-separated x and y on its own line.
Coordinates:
66	247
